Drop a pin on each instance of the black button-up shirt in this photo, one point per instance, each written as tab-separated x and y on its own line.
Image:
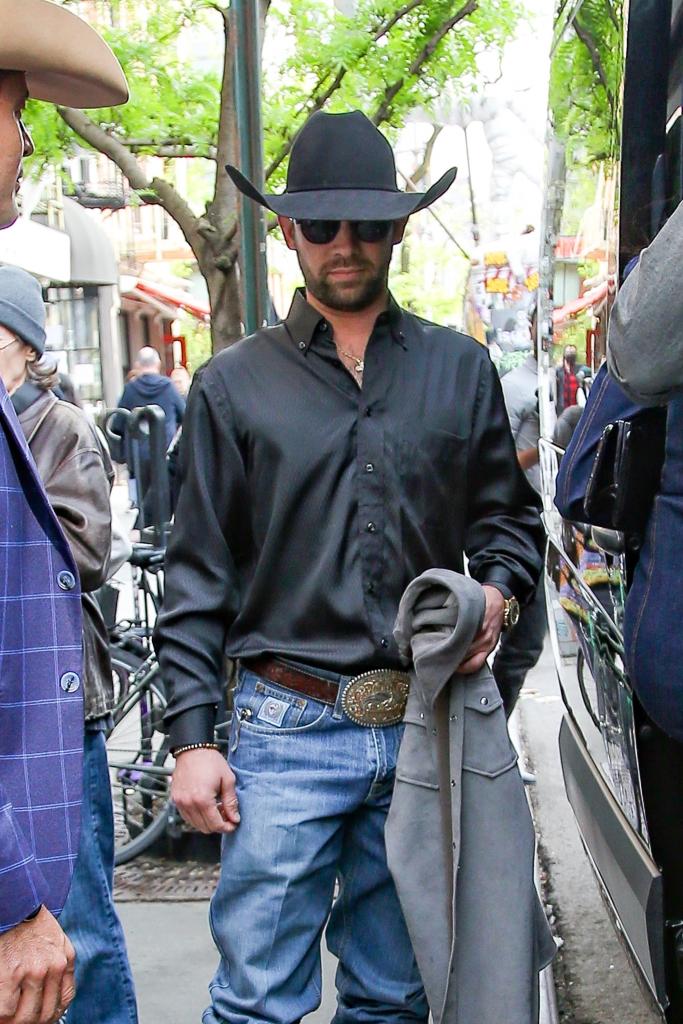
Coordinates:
308	504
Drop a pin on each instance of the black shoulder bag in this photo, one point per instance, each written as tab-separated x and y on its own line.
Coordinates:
626	474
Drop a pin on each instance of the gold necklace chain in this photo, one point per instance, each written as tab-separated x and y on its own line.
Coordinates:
359	362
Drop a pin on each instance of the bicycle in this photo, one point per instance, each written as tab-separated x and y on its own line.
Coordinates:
141	764
137	745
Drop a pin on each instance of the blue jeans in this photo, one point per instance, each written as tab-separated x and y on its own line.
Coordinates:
314	791
104	984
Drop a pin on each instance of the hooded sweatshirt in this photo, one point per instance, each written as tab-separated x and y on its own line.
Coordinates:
153	389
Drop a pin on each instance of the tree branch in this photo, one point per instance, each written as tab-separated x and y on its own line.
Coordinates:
107	144
423	167
383	112
318	99
156	191
596	60
221	210
612	16
173	152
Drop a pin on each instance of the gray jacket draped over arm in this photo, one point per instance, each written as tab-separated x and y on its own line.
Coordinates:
460	839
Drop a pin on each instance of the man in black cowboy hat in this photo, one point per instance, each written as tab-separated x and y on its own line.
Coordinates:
327	461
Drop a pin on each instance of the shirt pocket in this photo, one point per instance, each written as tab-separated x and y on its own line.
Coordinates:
487	749
416	764
432	470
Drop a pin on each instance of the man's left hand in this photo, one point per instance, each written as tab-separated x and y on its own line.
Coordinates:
489	634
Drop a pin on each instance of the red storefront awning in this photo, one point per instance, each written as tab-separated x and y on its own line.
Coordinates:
181	300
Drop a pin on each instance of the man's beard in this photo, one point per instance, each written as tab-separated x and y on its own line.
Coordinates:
345	299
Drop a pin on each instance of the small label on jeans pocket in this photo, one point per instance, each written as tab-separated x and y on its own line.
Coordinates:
273	711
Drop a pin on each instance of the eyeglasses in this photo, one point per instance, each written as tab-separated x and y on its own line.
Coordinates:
321	232
9	343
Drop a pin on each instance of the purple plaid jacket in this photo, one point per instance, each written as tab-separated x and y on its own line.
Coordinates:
41	699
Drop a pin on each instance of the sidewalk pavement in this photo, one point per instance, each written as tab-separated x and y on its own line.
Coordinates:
174	958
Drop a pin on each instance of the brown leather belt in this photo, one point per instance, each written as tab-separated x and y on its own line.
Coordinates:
294	679
375	698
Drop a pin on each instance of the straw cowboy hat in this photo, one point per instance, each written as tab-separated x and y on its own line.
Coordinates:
342	168
64	59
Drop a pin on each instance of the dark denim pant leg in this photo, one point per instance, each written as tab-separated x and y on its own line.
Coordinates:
104	983
520	649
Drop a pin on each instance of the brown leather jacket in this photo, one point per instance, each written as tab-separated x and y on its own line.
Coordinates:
78	475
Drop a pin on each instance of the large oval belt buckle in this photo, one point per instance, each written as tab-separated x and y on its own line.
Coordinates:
376	698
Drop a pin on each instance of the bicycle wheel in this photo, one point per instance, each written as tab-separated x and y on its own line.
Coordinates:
124	665
139	769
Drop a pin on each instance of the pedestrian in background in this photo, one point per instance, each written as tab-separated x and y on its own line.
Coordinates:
522	646
77	474
150	387
566	381
48	53
325	463
182	380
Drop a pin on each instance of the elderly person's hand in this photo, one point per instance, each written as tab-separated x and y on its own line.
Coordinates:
489	634
36	972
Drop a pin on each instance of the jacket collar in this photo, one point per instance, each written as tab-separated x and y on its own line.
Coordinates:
25	396
31	413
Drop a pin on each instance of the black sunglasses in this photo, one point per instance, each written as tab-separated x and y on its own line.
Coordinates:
320	232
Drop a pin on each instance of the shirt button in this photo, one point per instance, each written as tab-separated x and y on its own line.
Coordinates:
66	580
302	345
384	642
323	325
70	682
370	589
368	411
371	528
369	467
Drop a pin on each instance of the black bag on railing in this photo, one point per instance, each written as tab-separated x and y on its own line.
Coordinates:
626	474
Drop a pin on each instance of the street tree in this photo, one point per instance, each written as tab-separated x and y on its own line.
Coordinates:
386	57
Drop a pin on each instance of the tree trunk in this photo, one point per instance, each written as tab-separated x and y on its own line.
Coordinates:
224	297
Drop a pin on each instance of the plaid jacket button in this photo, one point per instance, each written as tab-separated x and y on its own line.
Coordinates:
66	580
70	682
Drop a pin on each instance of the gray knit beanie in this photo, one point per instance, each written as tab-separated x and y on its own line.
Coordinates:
22	309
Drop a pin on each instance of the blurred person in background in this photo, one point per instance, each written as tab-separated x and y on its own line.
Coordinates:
182	380
77	474
150	387
147	387
521	647
566	381
47	53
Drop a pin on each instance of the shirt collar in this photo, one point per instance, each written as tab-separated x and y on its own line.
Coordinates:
303	321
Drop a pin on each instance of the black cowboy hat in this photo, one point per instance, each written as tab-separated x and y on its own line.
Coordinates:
342	168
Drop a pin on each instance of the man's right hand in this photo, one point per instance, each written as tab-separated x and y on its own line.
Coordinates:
203	790
36	972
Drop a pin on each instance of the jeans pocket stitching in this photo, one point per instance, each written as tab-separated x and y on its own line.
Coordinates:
266	730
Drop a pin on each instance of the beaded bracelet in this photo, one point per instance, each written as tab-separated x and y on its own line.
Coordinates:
195	746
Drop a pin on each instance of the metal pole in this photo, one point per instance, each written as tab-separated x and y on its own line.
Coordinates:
247	51
475	227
